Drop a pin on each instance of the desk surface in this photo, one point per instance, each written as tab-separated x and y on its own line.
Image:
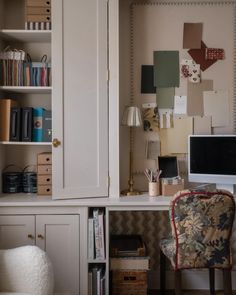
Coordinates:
143	202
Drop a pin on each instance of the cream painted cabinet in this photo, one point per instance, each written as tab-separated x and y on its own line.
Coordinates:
80	98
58	235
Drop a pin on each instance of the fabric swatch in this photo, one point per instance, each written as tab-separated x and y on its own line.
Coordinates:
194	73
192	35
147	79
175	140
185	67
166	118
215	53
216	105
165	97
195	96
166	69
202	125
150	119
199	56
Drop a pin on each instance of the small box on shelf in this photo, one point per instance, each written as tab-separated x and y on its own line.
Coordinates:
169	189
44	168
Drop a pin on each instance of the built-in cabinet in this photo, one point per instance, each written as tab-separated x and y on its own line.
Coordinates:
58	235
80	98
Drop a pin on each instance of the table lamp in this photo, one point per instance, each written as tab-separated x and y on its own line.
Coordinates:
131	118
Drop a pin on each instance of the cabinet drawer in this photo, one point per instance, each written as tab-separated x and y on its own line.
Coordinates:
44	158
44	179
42	3
44	189
38	10
45	169
38	18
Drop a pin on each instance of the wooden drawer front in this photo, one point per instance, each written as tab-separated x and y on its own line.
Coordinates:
120	277
38	18
38	10
44	179
44	189
44	159
42	3
44	169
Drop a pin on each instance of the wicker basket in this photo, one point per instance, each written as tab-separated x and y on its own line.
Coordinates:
133	282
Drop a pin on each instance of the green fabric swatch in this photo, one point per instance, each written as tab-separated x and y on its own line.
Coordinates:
165	98
166	69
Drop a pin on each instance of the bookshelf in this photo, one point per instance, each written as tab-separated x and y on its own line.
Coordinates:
36	43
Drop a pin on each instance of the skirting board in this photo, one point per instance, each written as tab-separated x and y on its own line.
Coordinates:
191	279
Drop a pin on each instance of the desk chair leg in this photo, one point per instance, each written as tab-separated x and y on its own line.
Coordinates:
227	282
162	273
178	288
212	280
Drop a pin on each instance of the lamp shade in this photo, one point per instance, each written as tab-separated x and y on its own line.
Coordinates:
132	117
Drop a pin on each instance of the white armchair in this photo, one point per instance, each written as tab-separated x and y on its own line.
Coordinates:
25	270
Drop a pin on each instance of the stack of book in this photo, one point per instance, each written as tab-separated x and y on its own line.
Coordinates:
96	232
96	281
24	124
37	15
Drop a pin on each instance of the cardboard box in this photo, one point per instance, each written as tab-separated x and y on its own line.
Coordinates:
44	189
44	169
44	179
38	3
171	189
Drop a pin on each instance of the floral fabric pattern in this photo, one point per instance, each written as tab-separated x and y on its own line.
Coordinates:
201	225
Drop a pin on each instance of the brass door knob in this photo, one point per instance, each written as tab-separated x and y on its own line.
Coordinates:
30	236
40	237
56	142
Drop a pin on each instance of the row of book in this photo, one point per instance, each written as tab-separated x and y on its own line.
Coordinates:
96	235
96	280
15	70
24	123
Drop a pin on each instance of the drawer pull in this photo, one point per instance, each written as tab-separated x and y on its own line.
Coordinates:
30	236
40	237
56	142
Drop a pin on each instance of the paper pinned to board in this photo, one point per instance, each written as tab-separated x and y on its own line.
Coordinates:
192	35
216	105
175	140
180	105
166	118
202	125
195	96
147	79
150	117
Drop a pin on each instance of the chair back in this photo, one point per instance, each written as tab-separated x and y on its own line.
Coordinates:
201	226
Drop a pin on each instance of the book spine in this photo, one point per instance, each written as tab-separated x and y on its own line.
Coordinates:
38	114
101	234
15	124
96	234
90	238
27	124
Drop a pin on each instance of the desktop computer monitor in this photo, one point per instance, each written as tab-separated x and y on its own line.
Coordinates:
212	159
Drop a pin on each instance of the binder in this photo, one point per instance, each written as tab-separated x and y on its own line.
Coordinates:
5	113
27	124
38	114
47	126
15	124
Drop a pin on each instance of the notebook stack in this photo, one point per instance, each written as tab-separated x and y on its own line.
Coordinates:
38	14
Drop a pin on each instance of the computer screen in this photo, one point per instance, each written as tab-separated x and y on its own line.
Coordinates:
212	159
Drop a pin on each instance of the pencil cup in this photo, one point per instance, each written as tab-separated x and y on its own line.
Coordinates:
154	189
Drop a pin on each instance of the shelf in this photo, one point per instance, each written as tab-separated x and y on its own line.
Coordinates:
27	89
97	261
24	143
41	36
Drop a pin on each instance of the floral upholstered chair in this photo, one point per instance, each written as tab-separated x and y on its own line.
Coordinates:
201	225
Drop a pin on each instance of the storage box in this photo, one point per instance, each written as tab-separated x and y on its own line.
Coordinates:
44	159
38	10
44	189
44	179
129	282
171	189
41	3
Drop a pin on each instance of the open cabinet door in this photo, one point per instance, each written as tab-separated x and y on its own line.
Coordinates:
80	98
